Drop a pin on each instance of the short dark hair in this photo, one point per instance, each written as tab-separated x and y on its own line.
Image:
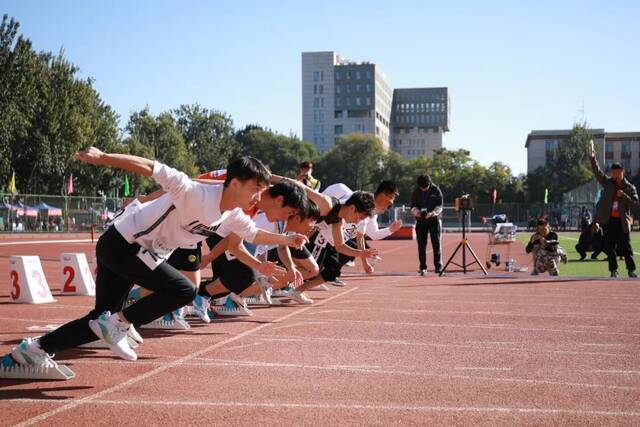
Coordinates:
310	211
424	181
246	168
387	187
363	201
616	165
542	222
306	165
292	195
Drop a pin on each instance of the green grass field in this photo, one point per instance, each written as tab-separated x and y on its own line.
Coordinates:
586	268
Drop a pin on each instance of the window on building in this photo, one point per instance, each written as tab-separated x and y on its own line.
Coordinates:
315	89
368	87
337	75
348	88
348	74
316	102
337	114
338	89
368	101
368	74
626	150
316	76
322	102
337	129
358	100
608	150
320	89
358	75
338	102
321	75
348	102
321	117
626	164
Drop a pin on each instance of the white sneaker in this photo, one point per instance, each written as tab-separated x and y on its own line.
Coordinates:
29	353
265	290
134	335
337	282
283	292
350	264
110	329
235	306
301	298
321	287
201	307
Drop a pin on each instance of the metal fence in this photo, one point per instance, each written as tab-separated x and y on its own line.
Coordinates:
46	213
562	216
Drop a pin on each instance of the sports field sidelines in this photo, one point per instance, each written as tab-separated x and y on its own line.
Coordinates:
586	268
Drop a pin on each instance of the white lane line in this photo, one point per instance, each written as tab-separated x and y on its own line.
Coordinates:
492	342
40	242
160	369
480	326
238	347
616	372
297	324
477	368
438	345
356	407
603	345
409	372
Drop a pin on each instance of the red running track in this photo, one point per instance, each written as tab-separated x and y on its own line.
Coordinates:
392	348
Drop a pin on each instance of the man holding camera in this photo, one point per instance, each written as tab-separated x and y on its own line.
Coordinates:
614	213
426	206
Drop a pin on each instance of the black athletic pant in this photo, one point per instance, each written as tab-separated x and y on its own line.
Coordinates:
425	229
583	249
118	269
616	241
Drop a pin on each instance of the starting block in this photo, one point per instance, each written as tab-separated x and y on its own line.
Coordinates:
27	283
9	369
76	275
162	323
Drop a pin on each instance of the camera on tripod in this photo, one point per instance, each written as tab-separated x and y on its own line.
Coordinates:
464	203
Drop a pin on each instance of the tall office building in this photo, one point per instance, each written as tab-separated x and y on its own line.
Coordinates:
340	97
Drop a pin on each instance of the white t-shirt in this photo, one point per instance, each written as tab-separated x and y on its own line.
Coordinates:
188	213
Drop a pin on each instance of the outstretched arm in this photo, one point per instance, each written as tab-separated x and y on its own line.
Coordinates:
135	164
600	176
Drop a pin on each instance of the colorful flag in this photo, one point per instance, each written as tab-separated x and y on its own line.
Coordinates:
12	186
70	185
546	196
494	196
126	191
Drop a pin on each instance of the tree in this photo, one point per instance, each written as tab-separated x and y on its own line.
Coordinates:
208	136
357	160
567	167
281	153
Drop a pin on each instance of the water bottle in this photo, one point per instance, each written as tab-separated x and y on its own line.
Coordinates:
510	265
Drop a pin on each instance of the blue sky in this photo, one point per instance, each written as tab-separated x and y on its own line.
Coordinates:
510	67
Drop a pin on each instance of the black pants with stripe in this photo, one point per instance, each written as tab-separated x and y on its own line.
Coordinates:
118	269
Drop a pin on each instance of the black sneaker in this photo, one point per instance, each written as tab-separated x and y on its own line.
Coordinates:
583	257
422	271
632	274
615	274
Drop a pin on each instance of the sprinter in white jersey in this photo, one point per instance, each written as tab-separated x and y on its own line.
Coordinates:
134	249
332	258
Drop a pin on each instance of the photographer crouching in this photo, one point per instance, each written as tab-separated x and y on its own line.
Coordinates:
426	206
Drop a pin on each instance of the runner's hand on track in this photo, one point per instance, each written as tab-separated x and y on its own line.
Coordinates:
269	268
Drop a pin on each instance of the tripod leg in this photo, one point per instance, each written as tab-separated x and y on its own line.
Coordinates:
476	258
451	258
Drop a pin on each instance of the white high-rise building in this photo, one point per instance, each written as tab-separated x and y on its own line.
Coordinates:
340	97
